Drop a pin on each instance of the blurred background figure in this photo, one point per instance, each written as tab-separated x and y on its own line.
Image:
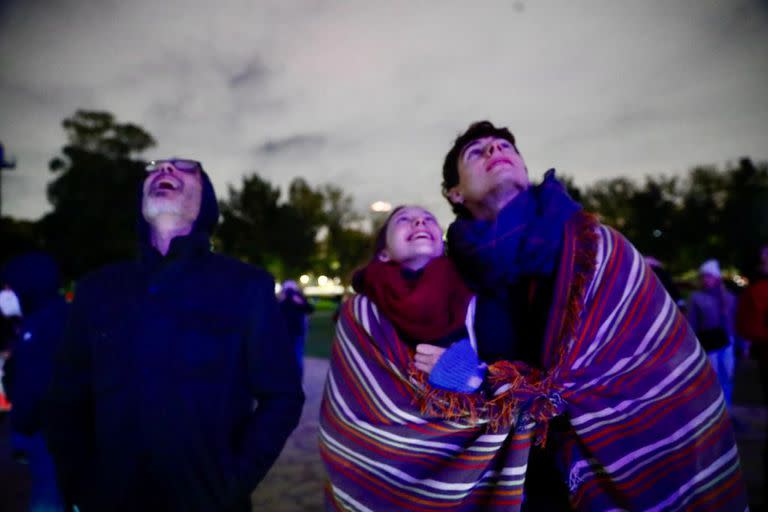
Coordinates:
35	279
711	313
295	309
10	322
666	280
752	324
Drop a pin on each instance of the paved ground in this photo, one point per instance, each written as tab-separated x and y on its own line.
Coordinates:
295	482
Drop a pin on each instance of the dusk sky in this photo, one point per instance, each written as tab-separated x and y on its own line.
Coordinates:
369	95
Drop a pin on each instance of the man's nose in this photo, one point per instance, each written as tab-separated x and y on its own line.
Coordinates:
166	167
493	147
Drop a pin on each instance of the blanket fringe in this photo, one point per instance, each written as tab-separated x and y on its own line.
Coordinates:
529	389
450	405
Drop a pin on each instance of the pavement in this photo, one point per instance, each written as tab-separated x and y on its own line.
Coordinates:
295	482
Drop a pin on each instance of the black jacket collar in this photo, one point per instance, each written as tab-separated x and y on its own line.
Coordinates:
182	247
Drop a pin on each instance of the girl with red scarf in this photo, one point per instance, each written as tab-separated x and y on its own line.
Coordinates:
419	290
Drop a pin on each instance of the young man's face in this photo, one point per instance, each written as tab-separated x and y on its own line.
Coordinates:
413	238
487	166
168	191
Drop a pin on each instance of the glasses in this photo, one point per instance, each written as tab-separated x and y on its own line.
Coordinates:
180	164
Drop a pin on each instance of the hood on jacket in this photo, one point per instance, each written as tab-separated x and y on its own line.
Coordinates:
206	220
34	277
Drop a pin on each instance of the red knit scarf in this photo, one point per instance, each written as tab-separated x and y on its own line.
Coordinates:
429	307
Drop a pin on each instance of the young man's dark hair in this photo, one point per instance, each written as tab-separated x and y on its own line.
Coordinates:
379	244
476	130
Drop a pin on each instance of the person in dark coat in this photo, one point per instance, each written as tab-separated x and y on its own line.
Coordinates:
176	387
34	277
295	309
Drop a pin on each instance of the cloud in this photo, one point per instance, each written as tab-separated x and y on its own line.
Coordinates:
253	72
375	92
293	143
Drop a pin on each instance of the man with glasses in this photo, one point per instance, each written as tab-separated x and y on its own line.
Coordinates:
176	386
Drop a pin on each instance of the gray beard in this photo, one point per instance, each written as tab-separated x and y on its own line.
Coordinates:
154	207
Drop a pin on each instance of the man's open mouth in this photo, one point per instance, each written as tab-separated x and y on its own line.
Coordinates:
165	184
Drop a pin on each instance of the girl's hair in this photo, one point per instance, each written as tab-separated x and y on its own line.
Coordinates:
379	244
380	241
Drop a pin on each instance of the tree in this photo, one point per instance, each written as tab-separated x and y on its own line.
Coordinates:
96	192
704	194
711	213
18	236
300	220
745	213
344	247
249	217
310	231
98	133
611	200
352	249
653	227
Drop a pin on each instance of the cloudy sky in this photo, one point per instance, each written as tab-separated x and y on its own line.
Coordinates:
369	94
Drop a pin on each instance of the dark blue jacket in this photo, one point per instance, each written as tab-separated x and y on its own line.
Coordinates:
176	387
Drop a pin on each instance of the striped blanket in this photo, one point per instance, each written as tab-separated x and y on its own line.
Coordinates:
649	426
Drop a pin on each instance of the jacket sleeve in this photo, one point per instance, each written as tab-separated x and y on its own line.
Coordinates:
68	408
752	318
275	382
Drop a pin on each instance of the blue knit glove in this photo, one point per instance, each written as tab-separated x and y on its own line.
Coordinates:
458	369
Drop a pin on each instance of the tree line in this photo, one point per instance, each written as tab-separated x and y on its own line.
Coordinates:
94	194
709	212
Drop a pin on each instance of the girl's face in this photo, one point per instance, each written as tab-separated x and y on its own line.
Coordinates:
414	238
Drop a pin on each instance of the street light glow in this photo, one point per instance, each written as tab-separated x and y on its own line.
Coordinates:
381	206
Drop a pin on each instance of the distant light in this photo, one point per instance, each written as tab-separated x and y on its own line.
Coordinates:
656	233
322	280
304	279
324	291
740	281
381	206
336	280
